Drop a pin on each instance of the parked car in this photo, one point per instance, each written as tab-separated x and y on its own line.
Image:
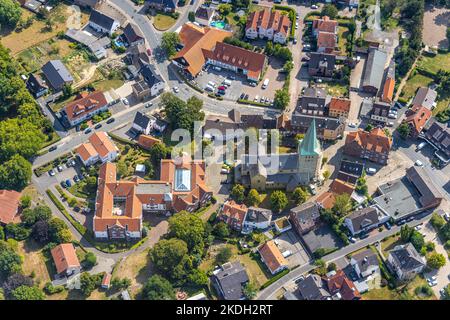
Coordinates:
305	58
314	7
246	97
88	130
63	184
312	189
371	170
296	25
98	126
221	92
447	216
352	240
421	145
76	179
388	225
392	116
223	88
68	183
418	163
52	148
299	279
176	89
390	124
256	98
224	171
59	168
295	41
148	105
110	120
217	68
410	219
363	235
352	125
232	77
125	101
51	173
401	222
242	96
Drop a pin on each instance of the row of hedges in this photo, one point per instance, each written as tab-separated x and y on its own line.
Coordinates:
122	140
426	73
291	14
275	278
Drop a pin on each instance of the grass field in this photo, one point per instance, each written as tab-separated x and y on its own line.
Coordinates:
413	83
389	244
399	293
34	261
343	32
163	22
434	64
337	89
37	32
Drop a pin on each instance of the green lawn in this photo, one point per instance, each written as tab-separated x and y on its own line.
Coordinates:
343	32
337	89
433	64
163	22
400	293
389	244
413	83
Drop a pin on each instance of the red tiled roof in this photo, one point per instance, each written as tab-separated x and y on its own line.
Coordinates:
272	256
375	140
388	90
85	103
325	24
65	257
326	40
326	200
339	104
339	187
147	142
99	143
340	283
419	117
235	211
268	19
9	204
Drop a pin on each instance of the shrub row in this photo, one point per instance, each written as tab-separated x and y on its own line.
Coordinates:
275	278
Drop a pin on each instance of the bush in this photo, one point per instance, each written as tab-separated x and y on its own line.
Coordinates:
50	289
275	278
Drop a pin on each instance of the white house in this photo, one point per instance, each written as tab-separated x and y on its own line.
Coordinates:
365	263
103	23
406	261
204	16
257	218
272	257
268	24
150	84
364	220
65	260
99	148
143	123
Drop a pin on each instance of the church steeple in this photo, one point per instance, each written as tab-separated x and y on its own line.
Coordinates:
310	145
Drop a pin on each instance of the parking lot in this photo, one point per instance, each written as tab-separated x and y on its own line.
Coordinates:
240	84
288	241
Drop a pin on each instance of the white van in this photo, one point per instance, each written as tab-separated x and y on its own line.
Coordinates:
371	170
227	82
209	88
265	83
421	145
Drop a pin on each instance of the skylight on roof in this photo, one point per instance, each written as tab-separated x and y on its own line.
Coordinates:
182	180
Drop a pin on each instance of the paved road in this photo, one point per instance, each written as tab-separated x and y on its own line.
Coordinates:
270	291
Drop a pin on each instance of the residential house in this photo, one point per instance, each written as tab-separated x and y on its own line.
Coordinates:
339	187
425	97
313	288
9	204
97	46
147	142
136	58
324	24
417	118
163	5
65	260
374	145
237	59
321	65
106	281
196	41
272	257
365	263
269	24
149	85
339	107
406	262
350	171
57	74
36	85
85	106
120	204
341	287
283	171
326	42
143	123
326	200
363	220
103	23
389	84
133	34
204	15
99	148
233	214
429	194
374	71
257	218
305	217
438	135
327	128
230	280
314	101
380	112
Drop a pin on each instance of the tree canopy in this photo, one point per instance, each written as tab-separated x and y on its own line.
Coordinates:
278	200
10	13
169	42
181	114
158	288
189	228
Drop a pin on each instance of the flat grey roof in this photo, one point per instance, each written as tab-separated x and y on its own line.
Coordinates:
399	198
153	188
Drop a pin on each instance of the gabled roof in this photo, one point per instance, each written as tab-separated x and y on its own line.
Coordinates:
9	204
429	193
85	103
233	210
374	70
340	283
406	257
147	142
142	120
204	13
310	145
325	24
268	19
363	218
340	187
196	40
419	118
365	259
339	104
258	215
425	97
388	90
322	60
99	144
231	279
56	73
306	215
150	75
313	288
326	199
65	257
326	40
101	19
375	140
272	256
172	4
132	33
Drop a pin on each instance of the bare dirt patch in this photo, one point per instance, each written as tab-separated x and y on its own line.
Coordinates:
435	23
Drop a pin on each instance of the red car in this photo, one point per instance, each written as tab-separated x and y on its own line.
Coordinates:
149	52
223	88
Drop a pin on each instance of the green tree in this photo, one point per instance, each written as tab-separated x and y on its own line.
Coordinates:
278	200
329	10
300	195
253	198
326	174
168	257
181	114
28	293
169	42
404	130
436	260
191	16
2	234
58	231
158	288
342	204
405	233
10	262
437	221
281	99
417	240
25	201
225	9
249	290
90	260
238	193
224	255
39	213
15	173
10	13
189	228
88	283
198	277
221	230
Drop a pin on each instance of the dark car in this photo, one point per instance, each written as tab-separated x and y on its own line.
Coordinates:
98	126
52	148
399	223
364	235
110	120
63	184
246	97
242	96
388	225
68	183
88	130
76	179
221	92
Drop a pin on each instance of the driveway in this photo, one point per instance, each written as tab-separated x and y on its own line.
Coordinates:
442	275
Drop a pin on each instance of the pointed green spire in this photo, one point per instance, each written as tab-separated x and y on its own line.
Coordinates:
310	145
